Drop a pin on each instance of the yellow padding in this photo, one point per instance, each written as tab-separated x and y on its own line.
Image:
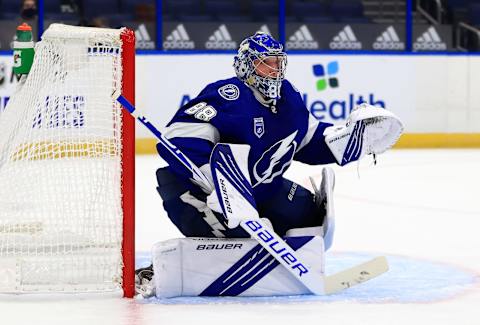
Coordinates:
145	146
438	140
65	149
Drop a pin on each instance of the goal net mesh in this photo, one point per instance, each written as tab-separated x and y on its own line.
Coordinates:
60	167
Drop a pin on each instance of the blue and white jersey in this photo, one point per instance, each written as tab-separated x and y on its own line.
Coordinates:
227	111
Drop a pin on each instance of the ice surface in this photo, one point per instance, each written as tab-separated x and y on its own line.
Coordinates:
418	207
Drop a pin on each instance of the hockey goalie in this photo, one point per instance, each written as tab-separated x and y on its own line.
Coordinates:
250	231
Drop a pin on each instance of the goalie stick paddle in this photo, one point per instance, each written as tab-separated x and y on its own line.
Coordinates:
333	283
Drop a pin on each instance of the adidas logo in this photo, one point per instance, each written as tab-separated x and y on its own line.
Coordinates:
345	40
178	39
264	29
429	40
142	39
302	39
389	40
221	40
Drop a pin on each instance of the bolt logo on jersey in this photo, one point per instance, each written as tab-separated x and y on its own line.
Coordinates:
275	160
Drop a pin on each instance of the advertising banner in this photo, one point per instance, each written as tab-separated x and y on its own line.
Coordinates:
429	93
385	37
210	36
432	38
330	85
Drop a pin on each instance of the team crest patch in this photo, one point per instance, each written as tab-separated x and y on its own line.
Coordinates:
258	126
229	92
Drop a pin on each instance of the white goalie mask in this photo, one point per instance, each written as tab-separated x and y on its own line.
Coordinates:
261	63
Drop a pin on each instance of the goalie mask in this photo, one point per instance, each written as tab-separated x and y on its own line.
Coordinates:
261	64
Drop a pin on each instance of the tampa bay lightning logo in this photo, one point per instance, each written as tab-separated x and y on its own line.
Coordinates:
229	92
275	160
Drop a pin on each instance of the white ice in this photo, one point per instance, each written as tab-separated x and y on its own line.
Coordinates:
418	207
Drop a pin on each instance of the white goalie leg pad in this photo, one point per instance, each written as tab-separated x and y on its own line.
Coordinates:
230	267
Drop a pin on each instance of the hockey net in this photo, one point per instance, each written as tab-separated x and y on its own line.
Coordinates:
66	167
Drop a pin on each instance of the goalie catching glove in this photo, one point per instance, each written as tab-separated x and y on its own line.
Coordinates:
369	130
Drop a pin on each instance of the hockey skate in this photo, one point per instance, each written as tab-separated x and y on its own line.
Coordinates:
144	283
324	200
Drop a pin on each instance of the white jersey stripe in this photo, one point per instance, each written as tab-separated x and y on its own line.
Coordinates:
312	127
192	130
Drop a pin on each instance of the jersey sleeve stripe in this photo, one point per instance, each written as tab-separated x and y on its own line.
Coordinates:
312	127
203	131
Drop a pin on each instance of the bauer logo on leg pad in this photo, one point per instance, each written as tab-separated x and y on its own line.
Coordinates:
219	246
279	249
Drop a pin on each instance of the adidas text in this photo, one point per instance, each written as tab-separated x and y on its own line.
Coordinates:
388	40
430	40
345	40
302	39
178	39
143	40
221	40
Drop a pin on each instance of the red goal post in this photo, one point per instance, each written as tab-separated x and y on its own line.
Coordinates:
128	166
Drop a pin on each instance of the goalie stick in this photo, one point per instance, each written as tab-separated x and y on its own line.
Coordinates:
236	194
197	174
330	284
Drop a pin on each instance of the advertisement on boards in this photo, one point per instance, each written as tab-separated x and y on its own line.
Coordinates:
330	85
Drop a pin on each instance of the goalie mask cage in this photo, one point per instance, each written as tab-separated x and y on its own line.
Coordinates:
67	167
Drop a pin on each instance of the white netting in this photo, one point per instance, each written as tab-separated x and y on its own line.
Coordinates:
60	167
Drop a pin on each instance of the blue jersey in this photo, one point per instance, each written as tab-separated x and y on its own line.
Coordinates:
227	111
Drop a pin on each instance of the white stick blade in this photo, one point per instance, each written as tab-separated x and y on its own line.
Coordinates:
356	275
